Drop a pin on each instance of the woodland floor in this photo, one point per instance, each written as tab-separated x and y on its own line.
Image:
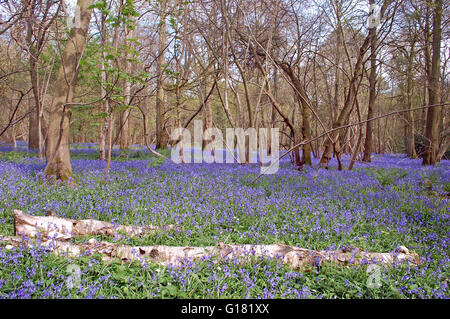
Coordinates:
379	206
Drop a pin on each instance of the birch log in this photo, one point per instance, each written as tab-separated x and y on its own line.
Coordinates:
295	257
55	231
55	227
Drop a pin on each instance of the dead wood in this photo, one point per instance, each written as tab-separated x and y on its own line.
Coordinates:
52	226
295	257
53	233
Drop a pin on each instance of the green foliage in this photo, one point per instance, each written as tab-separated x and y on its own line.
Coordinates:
16	156
101	6
447	188
387	177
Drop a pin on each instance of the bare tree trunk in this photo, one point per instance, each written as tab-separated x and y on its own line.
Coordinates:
314	148
161	136
207	110
110	122
13	130
304	103
432	124
372	91
273	112
306	132
344	114
178	120
104	124
124	118
427	58
337	71
35	134
226	82
124	123
110	142
35	139
358	143
332	142
291	126
410	143
57	151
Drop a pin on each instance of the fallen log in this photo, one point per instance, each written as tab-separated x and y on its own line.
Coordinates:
297	258
52	226
53	230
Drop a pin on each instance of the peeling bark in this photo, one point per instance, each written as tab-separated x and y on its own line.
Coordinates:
297	258
52	226
54	230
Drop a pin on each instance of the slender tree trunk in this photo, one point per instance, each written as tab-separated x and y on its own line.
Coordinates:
178	120
304	103
104	127
331	143
207	109
226	82
432	125
306	132
289	124
360	135
427	58
273	113
110	114
316	101
161	136
225	51
35	131
35	139
410	143
372	92
124	118
57	151
125	124
13	129
337	71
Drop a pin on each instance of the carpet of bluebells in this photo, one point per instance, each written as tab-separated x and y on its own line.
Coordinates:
378	206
